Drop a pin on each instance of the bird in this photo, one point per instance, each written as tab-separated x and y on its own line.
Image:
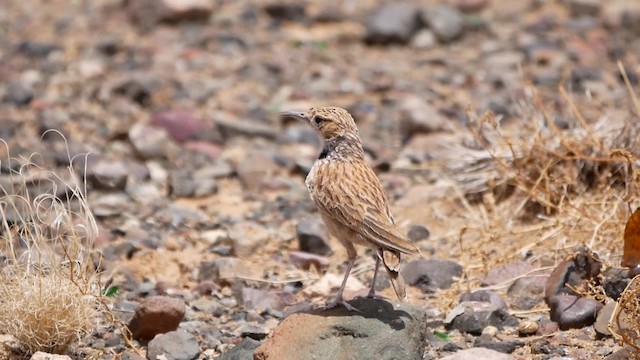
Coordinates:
350	198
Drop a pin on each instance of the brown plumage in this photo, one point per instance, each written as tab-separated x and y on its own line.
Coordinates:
350	198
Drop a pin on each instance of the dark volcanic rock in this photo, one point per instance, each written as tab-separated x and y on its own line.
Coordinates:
174	345
156	315
472	317
392	23
429	275
313	236
572	312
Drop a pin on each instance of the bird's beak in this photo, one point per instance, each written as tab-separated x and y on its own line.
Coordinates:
298	115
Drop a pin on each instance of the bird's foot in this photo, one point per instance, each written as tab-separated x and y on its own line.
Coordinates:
336	302
373	295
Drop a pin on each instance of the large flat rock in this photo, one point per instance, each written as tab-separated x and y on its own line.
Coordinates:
381	330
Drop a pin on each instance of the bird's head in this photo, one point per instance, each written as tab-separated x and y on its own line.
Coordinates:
329	122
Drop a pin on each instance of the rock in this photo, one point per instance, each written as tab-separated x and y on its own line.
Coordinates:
584	7
149	142
108	175
182	183
306	261
37	48
256	170
446	22
18	94
39	355
622	354
472	317
286	11
232	128
180	125
505	347
313	236
156	315
392	23
546	327
615	281
478	354
147	13
130	355
174	345
418	232
484	296
135	87
503	274
602	320
470	6
256	299
572	312
527	327
243	351
207	305
418	116
424	39
429	275
378	330
246	236
526	292
253	331
575	272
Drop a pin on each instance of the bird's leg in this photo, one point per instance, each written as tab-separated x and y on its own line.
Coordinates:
372	291
338	299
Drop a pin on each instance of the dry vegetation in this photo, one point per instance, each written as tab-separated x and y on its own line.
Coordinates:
548	190
50	296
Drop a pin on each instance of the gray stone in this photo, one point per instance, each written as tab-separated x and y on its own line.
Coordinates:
419	117
472	317
174	345
147	13
572	312
615	281
446	22
313	236
484	296
108	175
602	321
584	7
18	94
46	356
257	299
526	292
429	275
392	23
478	354
378	330
246	237
242	351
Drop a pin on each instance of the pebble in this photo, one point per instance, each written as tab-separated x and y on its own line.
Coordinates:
527	327
526	292
147	13
392	23
478	354
40	355
418	232
306	261
430	275
257	299
313	236
472	317
446	22
156	315
615	281
180	125
418	116
572	312
484	296
174	345
243	351
18	94
108	175
246	237
286	11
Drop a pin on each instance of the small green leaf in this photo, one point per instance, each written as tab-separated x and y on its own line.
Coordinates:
441	335
112	291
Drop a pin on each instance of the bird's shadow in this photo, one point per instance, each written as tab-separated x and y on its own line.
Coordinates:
370	308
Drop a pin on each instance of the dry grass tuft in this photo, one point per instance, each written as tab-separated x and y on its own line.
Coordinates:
624	321
50	295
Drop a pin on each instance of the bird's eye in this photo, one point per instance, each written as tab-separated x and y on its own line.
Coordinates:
318	120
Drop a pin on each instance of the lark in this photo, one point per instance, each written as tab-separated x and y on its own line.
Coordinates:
350	198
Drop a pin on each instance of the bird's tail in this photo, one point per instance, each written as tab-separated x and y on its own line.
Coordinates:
391	261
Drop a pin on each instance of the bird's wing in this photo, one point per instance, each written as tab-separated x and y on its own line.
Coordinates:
351	194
